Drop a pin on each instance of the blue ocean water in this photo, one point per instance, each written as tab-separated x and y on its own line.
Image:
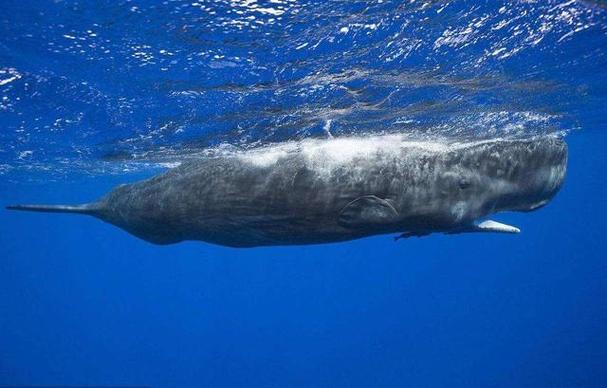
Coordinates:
94	94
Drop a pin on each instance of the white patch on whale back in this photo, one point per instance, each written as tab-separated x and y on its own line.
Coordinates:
343	150
267	156
339	151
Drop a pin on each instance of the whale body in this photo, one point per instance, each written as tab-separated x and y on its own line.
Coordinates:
323	191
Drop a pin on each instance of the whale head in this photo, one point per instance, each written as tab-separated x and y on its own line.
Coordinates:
503	175
527	174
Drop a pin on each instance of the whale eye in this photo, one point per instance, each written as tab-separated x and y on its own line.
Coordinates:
464	183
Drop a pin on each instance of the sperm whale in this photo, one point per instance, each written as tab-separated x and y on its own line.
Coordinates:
330	190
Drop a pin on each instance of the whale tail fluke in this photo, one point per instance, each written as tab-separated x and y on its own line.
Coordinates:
80	209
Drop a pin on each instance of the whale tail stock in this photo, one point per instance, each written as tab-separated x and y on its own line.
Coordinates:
79	209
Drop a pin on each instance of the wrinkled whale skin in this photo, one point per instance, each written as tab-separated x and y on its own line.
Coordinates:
322	191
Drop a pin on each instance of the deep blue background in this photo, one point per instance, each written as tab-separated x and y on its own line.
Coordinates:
82	302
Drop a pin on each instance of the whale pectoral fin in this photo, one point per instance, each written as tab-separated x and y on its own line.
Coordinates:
489	226
367	211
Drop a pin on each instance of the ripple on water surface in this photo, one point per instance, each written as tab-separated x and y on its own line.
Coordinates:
109	87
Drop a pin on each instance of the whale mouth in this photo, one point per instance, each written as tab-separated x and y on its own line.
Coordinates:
538	205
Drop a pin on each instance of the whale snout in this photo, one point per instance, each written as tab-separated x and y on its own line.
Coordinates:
535	171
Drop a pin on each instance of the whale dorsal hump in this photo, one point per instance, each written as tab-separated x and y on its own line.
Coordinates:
368	210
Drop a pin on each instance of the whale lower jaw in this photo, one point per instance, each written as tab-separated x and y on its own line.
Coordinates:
490	226
487	226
